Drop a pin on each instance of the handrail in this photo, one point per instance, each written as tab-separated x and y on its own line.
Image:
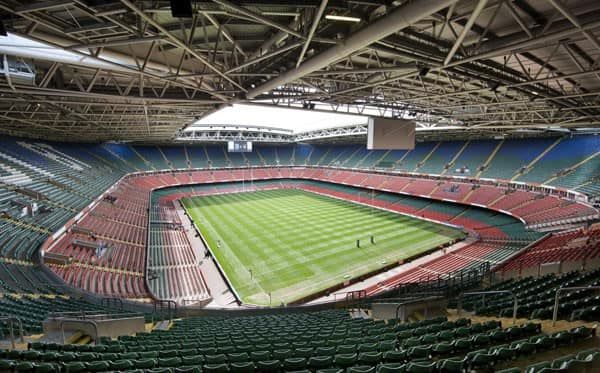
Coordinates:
10	320
169	302
89	322
415	300
515	300
560	290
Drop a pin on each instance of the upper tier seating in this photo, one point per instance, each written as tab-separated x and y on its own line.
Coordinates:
59	180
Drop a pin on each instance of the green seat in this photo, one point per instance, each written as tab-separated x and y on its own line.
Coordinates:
97	366
361	369
538	367
188	369
370	358
241	367
294	363
144	363
451	365
49	356
387	345
121	365
268	365
346	349
419	352
306	352
394	356
24	366
509	370
420	367
324	351
260	355
481	340
216	359
442	348
168	353
391	368
30	355
192	360
6	365
368	347
482	360
238	357
216	368
148	355
543	342
345	360
46	368
159	370
74	366
462	344
320	362
169	362
525	348
280	354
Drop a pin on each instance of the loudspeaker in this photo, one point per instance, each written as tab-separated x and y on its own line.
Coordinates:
181	8
2	29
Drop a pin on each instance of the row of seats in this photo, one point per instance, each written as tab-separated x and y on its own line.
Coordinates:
582	244
322	341
536	297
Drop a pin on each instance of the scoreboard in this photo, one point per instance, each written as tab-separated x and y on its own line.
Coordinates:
239	146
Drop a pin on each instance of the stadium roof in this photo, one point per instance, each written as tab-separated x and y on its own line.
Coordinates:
95	70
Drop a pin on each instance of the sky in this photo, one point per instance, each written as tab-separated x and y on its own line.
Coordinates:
297	120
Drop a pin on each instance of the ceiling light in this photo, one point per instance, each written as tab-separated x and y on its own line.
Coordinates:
333	17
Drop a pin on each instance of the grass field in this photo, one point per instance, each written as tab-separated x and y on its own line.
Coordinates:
292	243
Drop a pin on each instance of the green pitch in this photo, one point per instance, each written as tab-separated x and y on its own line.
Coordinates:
291	243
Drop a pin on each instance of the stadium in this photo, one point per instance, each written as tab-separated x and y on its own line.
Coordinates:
331	186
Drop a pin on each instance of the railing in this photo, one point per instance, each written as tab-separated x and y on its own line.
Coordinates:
171	310
80	321
564	290
490	292
11	320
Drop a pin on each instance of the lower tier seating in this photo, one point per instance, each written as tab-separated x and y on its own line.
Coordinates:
323	341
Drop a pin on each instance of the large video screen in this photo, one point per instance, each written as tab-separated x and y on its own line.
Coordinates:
239	146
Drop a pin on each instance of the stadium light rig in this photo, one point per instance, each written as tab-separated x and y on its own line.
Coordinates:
334	17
